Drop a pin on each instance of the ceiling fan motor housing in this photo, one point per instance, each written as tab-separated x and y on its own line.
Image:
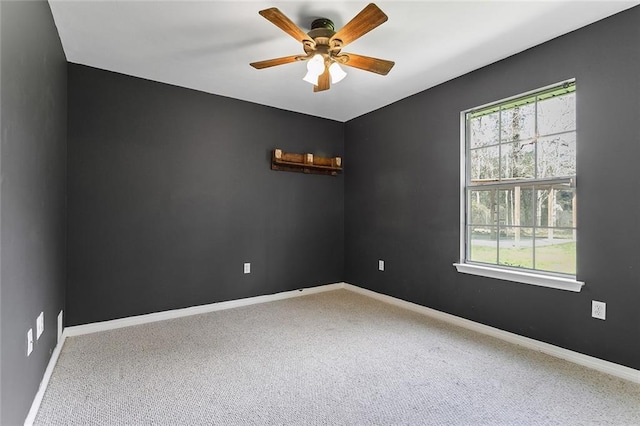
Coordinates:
323	23
322	29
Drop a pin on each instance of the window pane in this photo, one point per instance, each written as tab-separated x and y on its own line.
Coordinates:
557	114
557	156
555	206
518	160
555	250
564	203
518	123
484	130
485	163
516	247
516	206
483	204
520	207
483	245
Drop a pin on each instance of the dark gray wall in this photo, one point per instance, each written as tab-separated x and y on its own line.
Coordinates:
33	117
402	195
170	192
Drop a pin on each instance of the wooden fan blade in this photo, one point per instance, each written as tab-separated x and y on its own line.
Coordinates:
277	61
285	24
369	18
378	66
323	81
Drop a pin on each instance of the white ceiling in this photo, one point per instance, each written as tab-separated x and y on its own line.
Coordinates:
208	45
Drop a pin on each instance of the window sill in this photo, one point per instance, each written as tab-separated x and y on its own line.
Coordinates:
521	277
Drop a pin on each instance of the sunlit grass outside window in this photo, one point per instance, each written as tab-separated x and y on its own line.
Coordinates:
559	257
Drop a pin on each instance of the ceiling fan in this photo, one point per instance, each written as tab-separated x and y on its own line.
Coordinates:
322	46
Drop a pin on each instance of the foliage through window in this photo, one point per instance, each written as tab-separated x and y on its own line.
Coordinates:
520	182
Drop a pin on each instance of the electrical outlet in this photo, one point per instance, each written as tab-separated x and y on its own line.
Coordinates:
39	325
598	309
380	265
60	327
247	268
29	341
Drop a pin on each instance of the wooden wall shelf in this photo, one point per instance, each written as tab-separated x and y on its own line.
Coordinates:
305	163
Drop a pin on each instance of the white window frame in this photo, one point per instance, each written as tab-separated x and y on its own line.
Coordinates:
538	278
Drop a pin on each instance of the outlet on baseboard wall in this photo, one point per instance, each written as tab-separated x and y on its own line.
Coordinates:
39	325
380	265
60	325
598	309
29	341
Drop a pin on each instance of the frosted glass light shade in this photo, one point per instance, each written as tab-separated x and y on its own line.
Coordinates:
311	78
337	73
315	67
316	64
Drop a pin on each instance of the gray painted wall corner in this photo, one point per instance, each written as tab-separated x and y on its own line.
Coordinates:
171	191
407	211
32	197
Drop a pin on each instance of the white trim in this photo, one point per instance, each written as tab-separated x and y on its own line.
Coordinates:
463	185
95	327
550	281
37	400
575	357
157	316
598	364
521	95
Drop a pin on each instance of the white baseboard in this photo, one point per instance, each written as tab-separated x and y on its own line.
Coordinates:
566	354
37	400
157	316
575	357
78	330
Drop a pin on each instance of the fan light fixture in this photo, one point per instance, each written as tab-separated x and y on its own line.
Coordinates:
323	46
316	66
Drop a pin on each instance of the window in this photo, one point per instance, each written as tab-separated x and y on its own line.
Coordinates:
518	189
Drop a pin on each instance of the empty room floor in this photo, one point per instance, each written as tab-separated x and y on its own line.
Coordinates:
332	358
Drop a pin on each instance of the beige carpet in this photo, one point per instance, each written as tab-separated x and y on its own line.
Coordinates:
335	358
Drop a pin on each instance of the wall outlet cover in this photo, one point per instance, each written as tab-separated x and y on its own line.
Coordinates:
60	327
247	268
39	325
380	265
29	341
598	309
